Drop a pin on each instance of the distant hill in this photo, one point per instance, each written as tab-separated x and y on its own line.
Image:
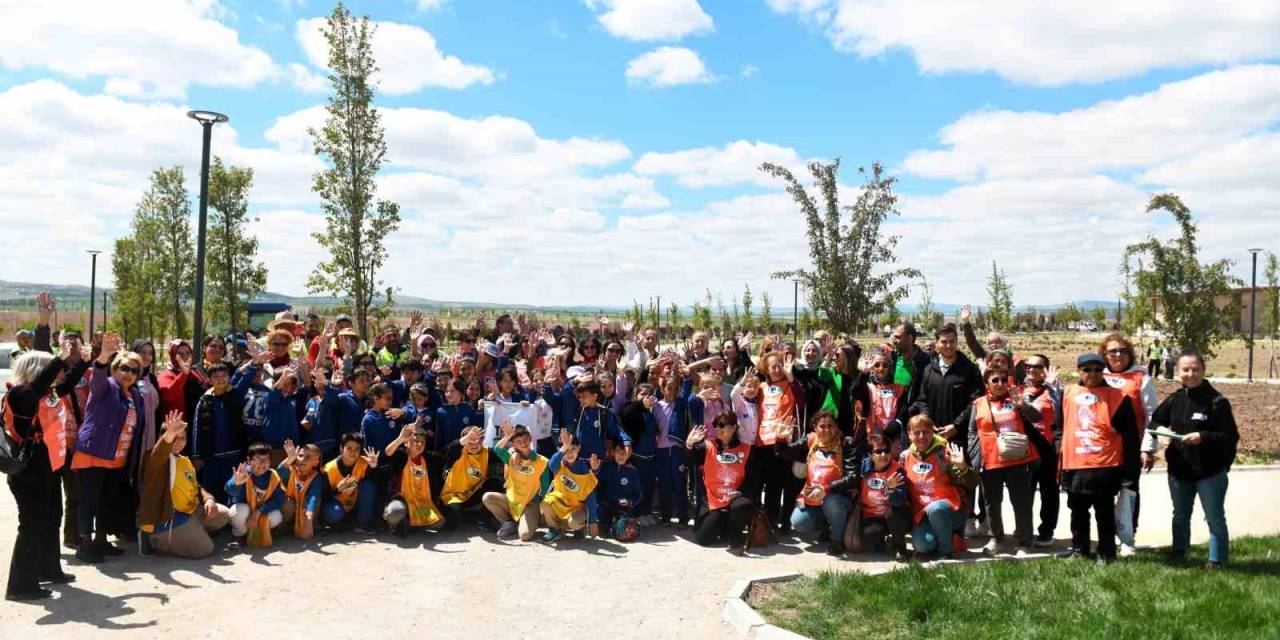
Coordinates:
20	293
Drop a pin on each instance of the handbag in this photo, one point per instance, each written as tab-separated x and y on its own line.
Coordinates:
1012	445
14	455
759	532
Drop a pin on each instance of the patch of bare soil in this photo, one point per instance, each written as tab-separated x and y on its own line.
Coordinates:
1257	412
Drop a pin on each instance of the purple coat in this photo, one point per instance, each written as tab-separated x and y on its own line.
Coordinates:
104	414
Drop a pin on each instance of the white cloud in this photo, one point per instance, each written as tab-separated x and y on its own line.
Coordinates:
408	57
733	164
648	20
748	71
1043	42
307	80
1175	120
668	67
143	48
431	5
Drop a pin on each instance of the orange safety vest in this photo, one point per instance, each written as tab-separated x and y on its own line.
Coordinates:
724	473
296	491
52	415
992	418
259	533
874	496
1089	440
1130	384
928	481
465	477
347	498
1048	414
777	410
821	469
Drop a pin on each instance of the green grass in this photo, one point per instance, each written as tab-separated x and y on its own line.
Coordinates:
1139	597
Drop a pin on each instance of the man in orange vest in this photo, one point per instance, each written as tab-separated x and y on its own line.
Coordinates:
1099	445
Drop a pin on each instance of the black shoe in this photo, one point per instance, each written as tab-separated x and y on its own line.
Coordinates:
835	549
1103	561
824	536
901	556
1074	554
86	552
104	548
144	545
61	578
40	593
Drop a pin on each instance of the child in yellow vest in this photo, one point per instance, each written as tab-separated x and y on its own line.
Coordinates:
256	498
573	481
409	485
470	471
303	488
527	480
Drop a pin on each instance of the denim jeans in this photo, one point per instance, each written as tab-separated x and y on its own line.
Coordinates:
934	531
831	514
366	506
1213	495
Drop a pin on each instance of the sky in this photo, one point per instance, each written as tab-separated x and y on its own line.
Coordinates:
596	152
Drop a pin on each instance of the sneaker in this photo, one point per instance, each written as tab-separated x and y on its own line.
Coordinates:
580	534
1043	541
104	548
61	578
1126	550
87	553
835	548
901	556
1103	561
507	531
237	542
364	530
552	535
1021	552
991	547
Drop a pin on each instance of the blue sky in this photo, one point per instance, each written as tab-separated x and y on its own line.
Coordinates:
599	151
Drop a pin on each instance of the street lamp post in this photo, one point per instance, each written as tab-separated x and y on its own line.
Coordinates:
795	311
1253	307
104	309
206	119
93	287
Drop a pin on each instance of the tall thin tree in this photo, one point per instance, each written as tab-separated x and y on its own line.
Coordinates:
353	144
235	274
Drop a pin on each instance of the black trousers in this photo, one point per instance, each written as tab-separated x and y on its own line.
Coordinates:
1045	481
107	502
1017	479
1103	505
729	523
894	526
453	512
37	490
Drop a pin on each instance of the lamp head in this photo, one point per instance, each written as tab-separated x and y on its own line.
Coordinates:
207	117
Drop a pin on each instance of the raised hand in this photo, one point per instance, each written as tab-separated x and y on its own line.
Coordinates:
330	329
509	429
44	307
1051	375
241	474
893	482
290	451
415	320
371	456
173	425
594	461
184	362
965	314
745	341
955	456
407	431
566	438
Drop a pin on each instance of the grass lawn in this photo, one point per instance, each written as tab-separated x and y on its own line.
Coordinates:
1138	597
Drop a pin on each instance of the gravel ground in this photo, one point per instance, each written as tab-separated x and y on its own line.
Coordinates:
469	585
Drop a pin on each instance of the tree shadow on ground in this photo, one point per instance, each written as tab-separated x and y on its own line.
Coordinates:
78	605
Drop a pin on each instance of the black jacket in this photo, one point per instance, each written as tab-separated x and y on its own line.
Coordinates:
943	397
1205	410
850	462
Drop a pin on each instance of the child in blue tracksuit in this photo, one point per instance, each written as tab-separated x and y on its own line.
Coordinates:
672	416
254	409
596	423
378	429
254	475
564	409
321	430
619	488
639	423
281	418
454	416
217	431
342	411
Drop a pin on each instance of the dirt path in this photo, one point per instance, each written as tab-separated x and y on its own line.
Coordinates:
467	585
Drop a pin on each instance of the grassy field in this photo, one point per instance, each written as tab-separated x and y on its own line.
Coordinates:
1139	597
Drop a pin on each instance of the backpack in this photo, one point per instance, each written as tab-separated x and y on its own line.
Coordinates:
14	454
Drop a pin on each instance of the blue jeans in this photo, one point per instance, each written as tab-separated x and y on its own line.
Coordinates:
1213	496
366	506
832	515
934	531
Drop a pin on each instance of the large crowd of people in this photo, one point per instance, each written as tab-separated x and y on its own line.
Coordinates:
523	430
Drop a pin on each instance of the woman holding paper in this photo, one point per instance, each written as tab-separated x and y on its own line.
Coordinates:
1202	435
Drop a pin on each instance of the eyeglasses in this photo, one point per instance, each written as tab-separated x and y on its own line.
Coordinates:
880	452
131	370
1034	366
1117	352
1091	369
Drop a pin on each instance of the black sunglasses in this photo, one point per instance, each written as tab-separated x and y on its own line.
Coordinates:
880	452
129	369
1034	366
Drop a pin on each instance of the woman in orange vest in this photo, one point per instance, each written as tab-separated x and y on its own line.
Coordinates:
731	476
1043	391
1098	425
782	404
1125	373
936	477
36	488
880	404
1003	448
831	465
